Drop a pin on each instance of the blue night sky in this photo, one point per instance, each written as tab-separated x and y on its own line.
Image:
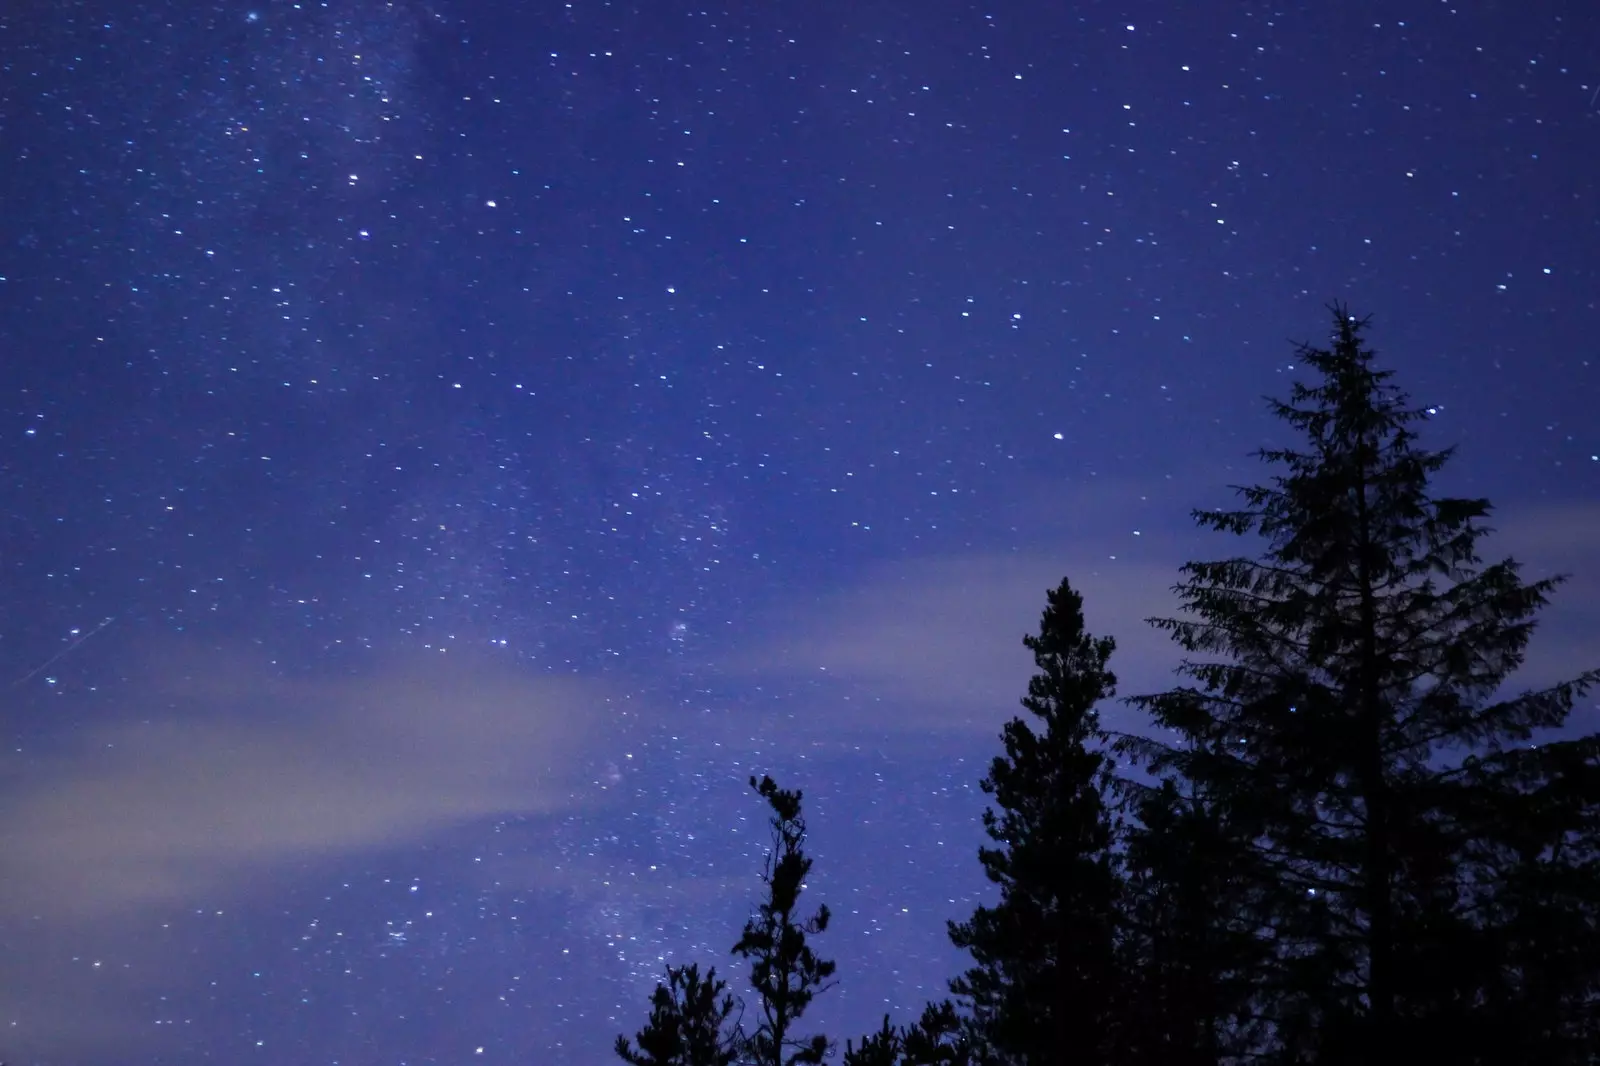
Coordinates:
449	446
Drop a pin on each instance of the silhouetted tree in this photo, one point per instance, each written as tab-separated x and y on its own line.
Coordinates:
1044	982
1189	949
881	1048
937	1039
691	1023
785	972
1338	684
1522	943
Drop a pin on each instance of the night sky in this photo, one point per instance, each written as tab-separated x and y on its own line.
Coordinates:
448	447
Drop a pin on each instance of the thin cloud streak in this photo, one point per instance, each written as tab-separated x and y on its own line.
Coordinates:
240	772
1559	538
937	643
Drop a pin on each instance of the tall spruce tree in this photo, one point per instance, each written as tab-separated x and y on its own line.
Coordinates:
691	1023
786	973
1345	723
1044	980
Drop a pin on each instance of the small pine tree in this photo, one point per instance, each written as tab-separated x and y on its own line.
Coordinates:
784	970
1045	978
937	1039
691	1023
882	1048
1345	713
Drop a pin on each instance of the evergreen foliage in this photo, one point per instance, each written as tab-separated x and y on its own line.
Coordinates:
937	1039
1187	945
1044	978
690	1023
1344	732
880	1048
1352	845
785	971
692	1020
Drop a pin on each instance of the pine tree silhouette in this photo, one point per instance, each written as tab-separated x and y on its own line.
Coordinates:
784	970
1045	981
938	1038
1412	868
691	1023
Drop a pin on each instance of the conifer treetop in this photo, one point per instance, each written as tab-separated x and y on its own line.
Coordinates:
1344	716
785	970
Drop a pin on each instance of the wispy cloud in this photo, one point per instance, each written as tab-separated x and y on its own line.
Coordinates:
219	770
937	643
1558	538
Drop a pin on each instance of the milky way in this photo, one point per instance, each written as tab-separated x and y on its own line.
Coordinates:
497	430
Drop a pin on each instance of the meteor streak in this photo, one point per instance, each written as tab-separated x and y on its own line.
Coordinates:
77	642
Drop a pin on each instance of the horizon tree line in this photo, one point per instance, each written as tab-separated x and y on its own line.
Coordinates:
1341	843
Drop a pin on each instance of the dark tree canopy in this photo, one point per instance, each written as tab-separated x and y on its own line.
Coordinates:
1352	841
937	1039
1345	722
1188	949
691	1023
1043	979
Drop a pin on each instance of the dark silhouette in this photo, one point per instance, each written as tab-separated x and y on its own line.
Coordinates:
1351	845
1188	949
692	1019
1044	982
691	1023
882	1048
784	971
937	1039
1406	864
